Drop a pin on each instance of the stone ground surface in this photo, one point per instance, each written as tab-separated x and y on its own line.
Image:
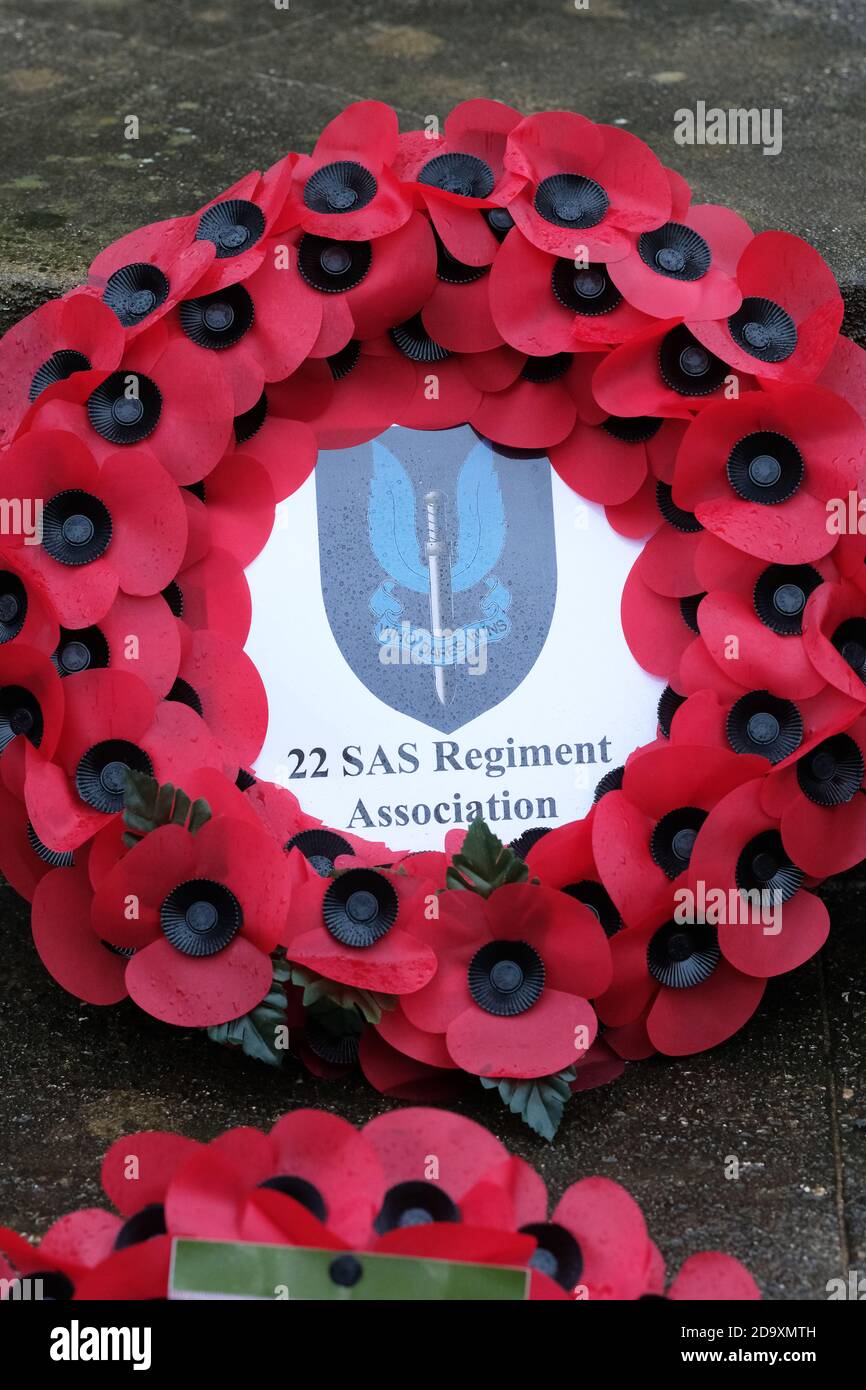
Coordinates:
220	88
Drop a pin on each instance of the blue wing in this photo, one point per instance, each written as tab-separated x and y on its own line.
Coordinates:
482	520
391	521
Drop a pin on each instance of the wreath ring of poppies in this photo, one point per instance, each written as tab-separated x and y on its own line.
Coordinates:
677	368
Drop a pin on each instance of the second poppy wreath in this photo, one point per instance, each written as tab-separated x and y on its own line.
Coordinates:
515	342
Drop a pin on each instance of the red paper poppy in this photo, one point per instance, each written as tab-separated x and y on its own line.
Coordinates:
362	288
209	908
392	1073
766	922
143	276
62	338
610	1249
538	405
643	834
543	304
588	186
786	327
213	594
31	700
609	462
816	797
665	370
363	929
672	984
347	189
111	723
515	973
834	630
352	397
658	629
752	615
78	960
165	391
461	175
713	1276
260	331
98	532
759	471
26	607
687	266
285	448
318	1160
219	682
241	224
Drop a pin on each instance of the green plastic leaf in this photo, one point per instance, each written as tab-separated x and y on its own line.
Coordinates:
484	863
539	1101
259	1033
368	1003
147	806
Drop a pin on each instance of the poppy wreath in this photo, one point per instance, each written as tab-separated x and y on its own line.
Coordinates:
416	1183
680	370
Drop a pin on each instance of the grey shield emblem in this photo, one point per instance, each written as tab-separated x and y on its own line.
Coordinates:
438	568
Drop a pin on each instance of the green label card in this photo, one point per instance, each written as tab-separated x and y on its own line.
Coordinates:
229	1269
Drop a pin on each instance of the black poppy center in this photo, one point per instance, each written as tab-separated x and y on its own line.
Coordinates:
232	226
506	977
80	650
333	266
141	1226
57	367
414	1203
320	848
682	956
673	839
13	606
687	367
676	251
675	516
542	370
764	866
500	222
463	174
134	291
832	773
125	408
76	527
341	363
20	713
100	777
301	1191
765	724
765	467
571	200
764	330
632	429
415	342
780	596
596	897
339	187
200	917
360	907
849	639
218	320
251	421
557	1253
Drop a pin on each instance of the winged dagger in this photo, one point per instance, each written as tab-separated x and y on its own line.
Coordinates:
394	536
